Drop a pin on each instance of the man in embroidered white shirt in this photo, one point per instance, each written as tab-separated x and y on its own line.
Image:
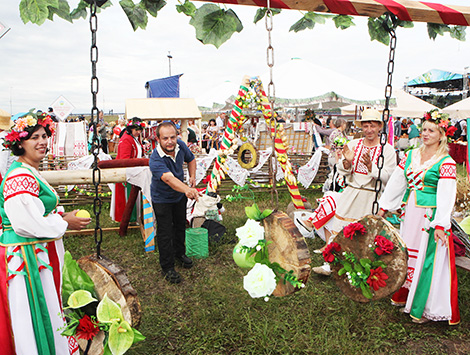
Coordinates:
359	166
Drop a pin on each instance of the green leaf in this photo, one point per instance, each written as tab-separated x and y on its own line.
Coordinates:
74	278
317	18
80	11
137	336
261	12
365	262
106	350
266	213
435	29
253	212
358	268
36	11
458	32
62	10
108	311
121	337
367	293
341	271
80	298
343	21
153	6
214	25
302	24
377	31
188	8
405	24
347	266
136	14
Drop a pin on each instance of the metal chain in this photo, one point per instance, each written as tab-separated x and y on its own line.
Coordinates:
271	97
94	120
386	111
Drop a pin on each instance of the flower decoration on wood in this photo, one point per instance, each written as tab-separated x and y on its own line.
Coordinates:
86	316
252	252
364	273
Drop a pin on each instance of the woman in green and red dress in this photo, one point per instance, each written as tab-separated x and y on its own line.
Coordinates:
424	185
31	247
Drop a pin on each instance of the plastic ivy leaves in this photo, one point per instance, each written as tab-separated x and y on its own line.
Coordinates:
253	212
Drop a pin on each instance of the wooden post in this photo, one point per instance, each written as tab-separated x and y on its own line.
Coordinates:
126	215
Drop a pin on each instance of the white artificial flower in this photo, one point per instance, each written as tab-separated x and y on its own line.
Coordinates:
250	233
260	281
266	299
258	247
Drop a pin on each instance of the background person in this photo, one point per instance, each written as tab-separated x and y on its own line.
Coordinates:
129	147
169	197
31	247
425	182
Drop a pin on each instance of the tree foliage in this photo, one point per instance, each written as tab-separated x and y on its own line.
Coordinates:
215	25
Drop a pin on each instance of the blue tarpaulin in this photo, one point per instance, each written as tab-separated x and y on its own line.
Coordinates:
164	87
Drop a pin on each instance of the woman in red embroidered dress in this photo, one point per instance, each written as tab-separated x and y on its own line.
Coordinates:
130	147
31	247
424	184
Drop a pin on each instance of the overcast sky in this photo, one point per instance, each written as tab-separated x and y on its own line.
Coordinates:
40	63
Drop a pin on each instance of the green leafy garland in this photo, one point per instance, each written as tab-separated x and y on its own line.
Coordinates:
214	24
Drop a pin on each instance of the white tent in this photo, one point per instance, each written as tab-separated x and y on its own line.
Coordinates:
460	110
300	79
408	105
218	94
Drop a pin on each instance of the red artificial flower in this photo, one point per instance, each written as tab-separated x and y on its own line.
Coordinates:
377	278
384	246
427	116
450	131
87	329
352	228
12	136
329	252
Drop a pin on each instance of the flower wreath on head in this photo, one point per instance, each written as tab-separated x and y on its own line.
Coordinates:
441	119
25	124
141	124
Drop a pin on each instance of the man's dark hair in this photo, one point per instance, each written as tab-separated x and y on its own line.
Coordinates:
165	124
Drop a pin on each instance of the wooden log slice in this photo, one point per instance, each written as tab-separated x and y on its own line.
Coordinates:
111	279
397	261
288	248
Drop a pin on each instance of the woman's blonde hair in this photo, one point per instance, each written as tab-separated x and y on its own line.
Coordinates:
442	149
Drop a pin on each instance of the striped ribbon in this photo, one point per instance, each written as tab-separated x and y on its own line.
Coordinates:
149	226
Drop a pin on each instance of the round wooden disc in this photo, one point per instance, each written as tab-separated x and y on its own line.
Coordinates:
397	261
288	248
111	279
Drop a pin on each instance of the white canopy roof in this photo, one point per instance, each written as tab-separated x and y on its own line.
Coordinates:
460	110
409	106
300	79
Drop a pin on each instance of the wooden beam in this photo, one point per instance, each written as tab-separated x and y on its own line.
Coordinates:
405	10
77	177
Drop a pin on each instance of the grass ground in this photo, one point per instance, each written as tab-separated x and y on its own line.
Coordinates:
211	313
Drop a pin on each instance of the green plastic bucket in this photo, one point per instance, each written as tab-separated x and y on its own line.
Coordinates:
197	243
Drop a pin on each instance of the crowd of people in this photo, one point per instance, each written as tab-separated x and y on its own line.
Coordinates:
422	187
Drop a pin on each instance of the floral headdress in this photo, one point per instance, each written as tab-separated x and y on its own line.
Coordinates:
441	119
25	124
136	123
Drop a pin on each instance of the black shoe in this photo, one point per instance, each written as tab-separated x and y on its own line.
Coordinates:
185	261
172	276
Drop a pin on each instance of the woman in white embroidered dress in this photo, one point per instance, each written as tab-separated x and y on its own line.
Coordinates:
31	247
425	182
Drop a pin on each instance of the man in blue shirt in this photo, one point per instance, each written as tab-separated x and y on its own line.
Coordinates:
169	196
